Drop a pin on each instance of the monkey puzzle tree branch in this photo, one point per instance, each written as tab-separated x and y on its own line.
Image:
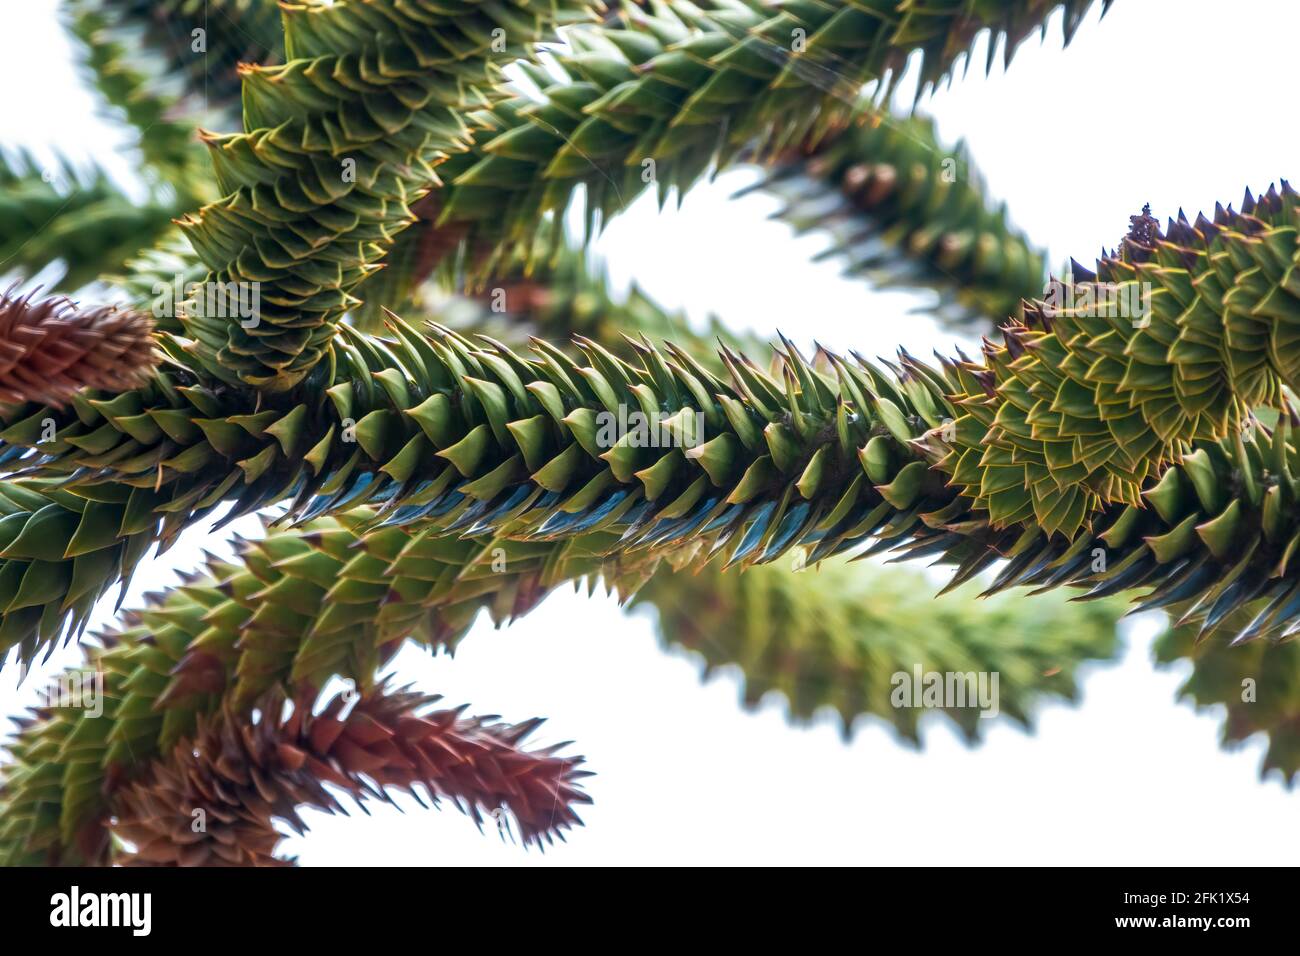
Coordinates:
1258	686
1095	448
836	635
206	65
338	142
431	592
901	218
1117	374
333	228
151	100
140	771
820	637
171	483
660	97
241	774
51	348
472	437
668	112
905	211
83	541
225	639
302	606
80	219
422	425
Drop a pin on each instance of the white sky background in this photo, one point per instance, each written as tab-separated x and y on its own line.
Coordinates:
1075	141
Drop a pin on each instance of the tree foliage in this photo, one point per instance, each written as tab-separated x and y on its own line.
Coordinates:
398	201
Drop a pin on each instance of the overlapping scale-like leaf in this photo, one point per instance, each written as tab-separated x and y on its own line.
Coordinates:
109	744
145	91
904	210
1258	686
297	608
472	438
80	219
1117	373
839	635
60	553
338	143
657	98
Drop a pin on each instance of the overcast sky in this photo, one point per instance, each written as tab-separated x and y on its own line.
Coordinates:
1171	102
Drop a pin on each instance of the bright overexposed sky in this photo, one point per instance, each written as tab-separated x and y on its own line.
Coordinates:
1171	102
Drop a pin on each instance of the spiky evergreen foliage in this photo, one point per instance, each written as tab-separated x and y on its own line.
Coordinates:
332	230
1088	399
897	220
79	218
181	479
437	612
451	445
473	437
50	348
337	144
569	295
234	32
905	211
300	607
297	608
146	95
241	774
62	552
660	97
1258	686
798	635
73	770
